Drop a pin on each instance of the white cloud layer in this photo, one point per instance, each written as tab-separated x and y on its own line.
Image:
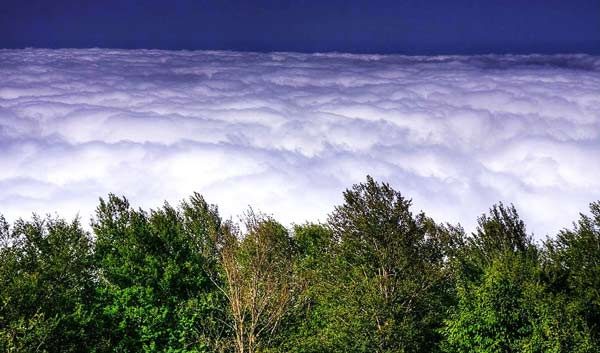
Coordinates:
287	133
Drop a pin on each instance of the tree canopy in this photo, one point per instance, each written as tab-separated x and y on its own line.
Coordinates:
377	276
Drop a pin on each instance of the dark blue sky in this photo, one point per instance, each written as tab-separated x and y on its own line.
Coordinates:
407	27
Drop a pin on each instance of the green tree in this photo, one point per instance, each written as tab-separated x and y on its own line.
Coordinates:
574	266
386	288
375	278
46	286
504	303
156	277
303	328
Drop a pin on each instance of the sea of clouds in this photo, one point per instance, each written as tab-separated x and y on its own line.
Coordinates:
287	133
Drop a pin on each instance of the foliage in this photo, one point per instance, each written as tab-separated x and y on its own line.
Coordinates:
382	286
376	277
504	304
574	266
155	289
46	286
260	281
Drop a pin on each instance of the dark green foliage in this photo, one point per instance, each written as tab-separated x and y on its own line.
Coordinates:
501	231
46	286
504	304
574	266
379	284
304	323
155	287
511	310
375	278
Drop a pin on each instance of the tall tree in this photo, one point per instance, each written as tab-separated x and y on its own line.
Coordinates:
261	283
46	286
303	327
574	266
500	231
390	280
155	276
504	304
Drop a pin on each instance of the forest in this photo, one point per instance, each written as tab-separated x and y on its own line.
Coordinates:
377	276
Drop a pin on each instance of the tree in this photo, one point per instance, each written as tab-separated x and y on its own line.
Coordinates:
302	328
155	269
375	278
498	232
260	281
390	285
46	286
574	266
504	304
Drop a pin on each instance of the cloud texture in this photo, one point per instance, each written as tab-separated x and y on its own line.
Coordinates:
288	132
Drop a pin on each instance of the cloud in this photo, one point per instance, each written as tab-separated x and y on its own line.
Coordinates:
287	133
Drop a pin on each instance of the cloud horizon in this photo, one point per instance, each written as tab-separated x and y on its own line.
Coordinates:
287	132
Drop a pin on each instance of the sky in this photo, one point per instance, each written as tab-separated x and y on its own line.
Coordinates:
282	105
415	27
287	132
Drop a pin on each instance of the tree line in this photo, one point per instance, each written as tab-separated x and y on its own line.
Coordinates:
376	277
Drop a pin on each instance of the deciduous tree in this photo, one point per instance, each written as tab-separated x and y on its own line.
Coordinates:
260	281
